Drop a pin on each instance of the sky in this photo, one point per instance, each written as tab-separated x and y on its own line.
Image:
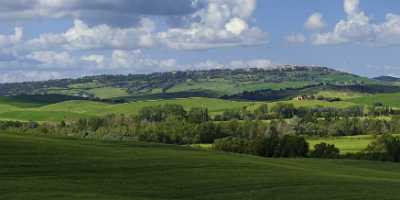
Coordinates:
52	39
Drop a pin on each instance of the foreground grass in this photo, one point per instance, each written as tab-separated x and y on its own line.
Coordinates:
47	168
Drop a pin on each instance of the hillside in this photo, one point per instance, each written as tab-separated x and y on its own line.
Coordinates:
39	168
72	110
206	83
388	78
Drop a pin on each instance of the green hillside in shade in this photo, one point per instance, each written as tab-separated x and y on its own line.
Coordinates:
38	168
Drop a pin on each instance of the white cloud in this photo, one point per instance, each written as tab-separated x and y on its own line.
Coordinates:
296	38
10	40
25	75
99	60
222	23
138	62
358	28
315	22
114	13
82	36
352	7
234	64
53	59
236	26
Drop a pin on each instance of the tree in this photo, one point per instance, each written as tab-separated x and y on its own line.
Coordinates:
261	113
198	115
284	110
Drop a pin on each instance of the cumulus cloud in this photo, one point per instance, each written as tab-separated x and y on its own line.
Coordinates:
137	61
222	23
99	60
52	59
219	23
315	22
10	40
114	13
109	36
82	36
25	75
359	28
296	38
234	64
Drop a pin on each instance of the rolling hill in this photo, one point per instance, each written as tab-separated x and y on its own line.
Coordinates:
217	90
72	110
49	168
206	83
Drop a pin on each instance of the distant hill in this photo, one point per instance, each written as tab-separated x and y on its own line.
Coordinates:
204	83
388	78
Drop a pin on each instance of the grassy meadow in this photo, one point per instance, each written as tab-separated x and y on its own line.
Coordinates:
40	168
83	108
346	144
391	99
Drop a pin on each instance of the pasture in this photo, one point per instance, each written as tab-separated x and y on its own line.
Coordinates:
67	110
391	99
40	168
346	144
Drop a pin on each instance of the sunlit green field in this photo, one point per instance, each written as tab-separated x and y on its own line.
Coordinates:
350	144
346	144
108	92
79	108
392	99
38	168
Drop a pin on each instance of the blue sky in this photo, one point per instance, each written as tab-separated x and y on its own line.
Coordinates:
46	39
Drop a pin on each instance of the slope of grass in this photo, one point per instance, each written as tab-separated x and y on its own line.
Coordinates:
7	108
43	168
340	94
350	144
392	99
15	102
223	86
86	107
315	103
108	92
41	116
96	108
346	144
80	108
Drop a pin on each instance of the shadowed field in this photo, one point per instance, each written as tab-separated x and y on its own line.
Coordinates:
48	168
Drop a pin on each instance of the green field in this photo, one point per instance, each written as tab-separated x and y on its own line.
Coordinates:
9	101
340	94
347	144
108	92
392	99
223	86
81	108
38	168
76	109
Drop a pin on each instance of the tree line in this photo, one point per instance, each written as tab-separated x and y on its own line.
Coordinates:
280	136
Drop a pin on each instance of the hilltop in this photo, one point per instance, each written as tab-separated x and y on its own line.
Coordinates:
204	83
388	78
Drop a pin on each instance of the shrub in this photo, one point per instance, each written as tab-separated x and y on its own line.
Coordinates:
272	146
324	150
